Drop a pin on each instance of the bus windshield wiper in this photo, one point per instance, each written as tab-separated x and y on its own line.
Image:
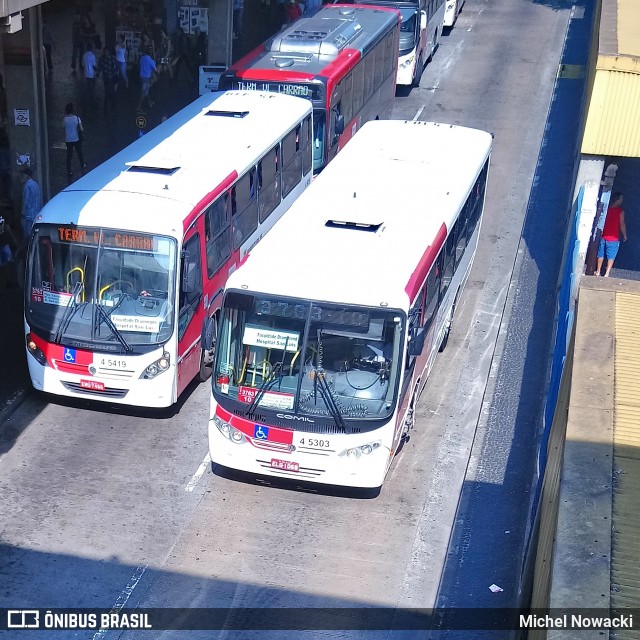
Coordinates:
68	312
320	380
267	383
109	322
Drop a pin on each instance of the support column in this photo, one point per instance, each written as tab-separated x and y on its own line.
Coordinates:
220	38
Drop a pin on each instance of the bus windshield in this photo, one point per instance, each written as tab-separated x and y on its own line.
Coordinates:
319	133
308	358
101	286
408	29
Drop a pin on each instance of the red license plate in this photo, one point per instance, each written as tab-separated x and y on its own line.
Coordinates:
92	385
284	465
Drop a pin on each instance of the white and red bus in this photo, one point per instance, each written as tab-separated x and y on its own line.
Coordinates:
420	31
343	58
127	265
452	9
322	350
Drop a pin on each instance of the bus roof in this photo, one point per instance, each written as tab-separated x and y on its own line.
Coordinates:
398	186
155	183
304	50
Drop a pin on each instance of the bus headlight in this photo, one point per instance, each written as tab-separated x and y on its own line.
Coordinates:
228	431
407	63
157	367
363	450
35	351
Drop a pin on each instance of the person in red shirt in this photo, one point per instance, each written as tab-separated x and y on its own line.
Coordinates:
610	242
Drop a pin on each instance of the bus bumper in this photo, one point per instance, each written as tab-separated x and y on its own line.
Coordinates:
158	392
347	467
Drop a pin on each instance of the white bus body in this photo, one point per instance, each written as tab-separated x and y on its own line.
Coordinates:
127	265
330	327
452	9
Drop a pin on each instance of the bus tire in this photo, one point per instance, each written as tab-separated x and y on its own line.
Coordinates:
205	369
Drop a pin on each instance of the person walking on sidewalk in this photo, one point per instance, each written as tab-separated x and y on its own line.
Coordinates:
610	242
31	201
49	44
108	69
148	70
121	58
77	42
72	137
89	64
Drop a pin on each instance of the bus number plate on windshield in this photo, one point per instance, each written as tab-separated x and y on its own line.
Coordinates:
284	465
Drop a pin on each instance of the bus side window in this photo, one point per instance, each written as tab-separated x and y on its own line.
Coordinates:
347	98
379	74
307	151
369	72
448	260
415	322
216	228
244	208
268	184
432	296
190	283
291	161
461	223
358	87
390	55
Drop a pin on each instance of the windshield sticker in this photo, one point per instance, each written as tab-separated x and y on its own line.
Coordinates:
271	338
270	399
50	297
137	324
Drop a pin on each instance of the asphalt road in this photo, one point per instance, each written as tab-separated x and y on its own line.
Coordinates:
109	509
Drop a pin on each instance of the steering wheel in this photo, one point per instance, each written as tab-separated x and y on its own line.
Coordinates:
115	282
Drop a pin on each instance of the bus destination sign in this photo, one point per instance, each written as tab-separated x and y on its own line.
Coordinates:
110	238
309	91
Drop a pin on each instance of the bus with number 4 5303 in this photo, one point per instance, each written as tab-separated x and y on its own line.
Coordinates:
126	266
329	328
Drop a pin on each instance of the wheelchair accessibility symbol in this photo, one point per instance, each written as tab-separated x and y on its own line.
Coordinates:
260	432
69	355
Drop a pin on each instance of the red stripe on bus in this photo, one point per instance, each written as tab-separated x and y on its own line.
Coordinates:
209	198
275	75
420	273
246	58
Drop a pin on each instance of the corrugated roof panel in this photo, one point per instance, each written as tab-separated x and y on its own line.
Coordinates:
625	537
614	113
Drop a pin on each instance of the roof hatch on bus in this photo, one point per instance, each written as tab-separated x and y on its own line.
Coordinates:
320	36
156	168
371	227
226	114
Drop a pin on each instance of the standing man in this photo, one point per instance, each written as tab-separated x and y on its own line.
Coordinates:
610	241
109	70
31	201
89	64
148	70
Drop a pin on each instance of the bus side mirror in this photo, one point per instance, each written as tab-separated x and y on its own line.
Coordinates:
423	20
339	124
190	276
208	337
416	343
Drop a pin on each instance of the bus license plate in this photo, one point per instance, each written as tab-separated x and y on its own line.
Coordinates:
92	385
284	465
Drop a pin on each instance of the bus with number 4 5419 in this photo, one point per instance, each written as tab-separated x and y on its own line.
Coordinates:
329	328
126	266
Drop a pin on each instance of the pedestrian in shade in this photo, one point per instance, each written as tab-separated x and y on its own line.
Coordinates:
109	71
31	201
148	71
48	43
90	64
121	58
73	131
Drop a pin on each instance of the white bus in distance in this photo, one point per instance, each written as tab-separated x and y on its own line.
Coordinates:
452	9
126	266
330	327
